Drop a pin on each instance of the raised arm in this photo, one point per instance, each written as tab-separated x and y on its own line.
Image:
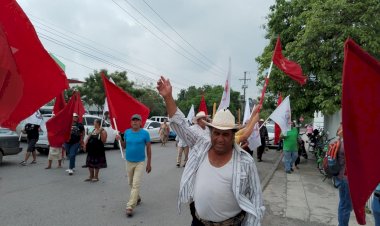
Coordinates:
246	131
178	121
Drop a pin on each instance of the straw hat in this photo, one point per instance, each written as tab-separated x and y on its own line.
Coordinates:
199	115
223	120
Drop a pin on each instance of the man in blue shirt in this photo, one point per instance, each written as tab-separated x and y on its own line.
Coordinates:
135	141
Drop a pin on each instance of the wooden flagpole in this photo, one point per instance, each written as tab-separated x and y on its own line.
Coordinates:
121	148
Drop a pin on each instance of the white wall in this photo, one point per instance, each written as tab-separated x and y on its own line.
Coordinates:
332	122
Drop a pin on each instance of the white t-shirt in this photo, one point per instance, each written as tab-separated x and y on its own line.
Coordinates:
213	196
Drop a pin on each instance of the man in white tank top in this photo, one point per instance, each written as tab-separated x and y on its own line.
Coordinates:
220	178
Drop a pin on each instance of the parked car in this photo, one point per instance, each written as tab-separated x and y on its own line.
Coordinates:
42	144
9	143
153	128
160	119
270	128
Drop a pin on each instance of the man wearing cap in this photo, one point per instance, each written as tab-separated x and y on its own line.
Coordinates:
200	124
220	178
76	140
136	140
263	138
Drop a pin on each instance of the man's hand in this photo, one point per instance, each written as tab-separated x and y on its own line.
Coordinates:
148	168
164	87
118	137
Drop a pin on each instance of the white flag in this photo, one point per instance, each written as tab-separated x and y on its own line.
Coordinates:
191	114
35	118
282	116
254	140
247	112
225	102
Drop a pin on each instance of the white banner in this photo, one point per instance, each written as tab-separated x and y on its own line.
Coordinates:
282	115
247	112
225	102
191	114
254	140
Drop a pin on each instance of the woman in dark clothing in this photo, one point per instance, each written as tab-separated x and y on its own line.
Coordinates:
96	157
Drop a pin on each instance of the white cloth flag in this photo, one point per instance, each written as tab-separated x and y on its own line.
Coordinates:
225	102
247	112
254	140
35	118
282	115
191	114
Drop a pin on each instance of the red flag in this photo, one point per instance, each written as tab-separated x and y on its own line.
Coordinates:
29	77
79	108
277	129
59	127
360	116
203	106
122	106
263	93
290	68
59	103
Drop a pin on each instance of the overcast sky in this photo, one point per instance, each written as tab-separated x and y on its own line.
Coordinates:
119	35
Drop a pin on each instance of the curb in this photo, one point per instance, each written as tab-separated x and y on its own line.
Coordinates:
266	180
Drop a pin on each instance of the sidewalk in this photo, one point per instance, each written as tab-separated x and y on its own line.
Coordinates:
303	198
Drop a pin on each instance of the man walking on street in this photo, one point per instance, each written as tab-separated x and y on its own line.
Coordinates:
182	148
73	145
32	132
263	138
136	140
220	178
200	124
290	148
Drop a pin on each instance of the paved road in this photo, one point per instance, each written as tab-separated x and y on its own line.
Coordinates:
31	195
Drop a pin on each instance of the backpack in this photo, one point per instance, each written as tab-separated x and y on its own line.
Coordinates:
330	162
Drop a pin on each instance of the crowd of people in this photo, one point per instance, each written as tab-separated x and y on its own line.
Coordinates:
216	161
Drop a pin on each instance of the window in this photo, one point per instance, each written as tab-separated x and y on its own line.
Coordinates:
89	121
155	124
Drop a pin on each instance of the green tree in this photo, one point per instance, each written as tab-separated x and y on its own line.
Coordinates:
92	91
313	33
212	94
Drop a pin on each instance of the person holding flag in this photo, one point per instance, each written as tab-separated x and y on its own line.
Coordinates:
32	128
76	140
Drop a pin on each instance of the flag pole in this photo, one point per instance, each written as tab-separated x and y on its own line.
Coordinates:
121	150
265	84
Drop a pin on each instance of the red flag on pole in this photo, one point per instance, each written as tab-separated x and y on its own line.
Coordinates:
59	127
277	129
360	116
290	68
202	105
29	77
122	106
79	108
59	103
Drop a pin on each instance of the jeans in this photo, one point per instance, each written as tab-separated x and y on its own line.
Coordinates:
72	150
135	171
289	158
345	206
376	210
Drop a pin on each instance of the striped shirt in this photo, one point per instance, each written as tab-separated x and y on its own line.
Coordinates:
245	179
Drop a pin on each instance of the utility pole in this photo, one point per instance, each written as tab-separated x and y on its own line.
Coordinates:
244	87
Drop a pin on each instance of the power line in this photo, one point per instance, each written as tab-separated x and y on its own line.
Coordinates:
137	10
171	27
158	36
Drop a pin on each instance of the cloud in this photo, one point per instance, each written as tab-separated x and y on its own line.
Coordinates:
218	29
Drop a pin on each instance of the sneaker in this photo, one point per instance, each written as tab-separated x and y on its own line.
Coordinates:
67	170
177	165
129	212
23	163
33	162
288	172
291	169
184	165
70	172
138	201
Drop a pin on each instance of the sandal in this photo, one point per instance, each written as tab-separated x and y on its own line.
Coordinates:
48	167
88	179
33	162
95	179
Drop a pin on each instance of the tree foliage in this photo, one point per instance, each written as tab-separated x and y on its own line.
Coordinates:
212	95
92	91
313	33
